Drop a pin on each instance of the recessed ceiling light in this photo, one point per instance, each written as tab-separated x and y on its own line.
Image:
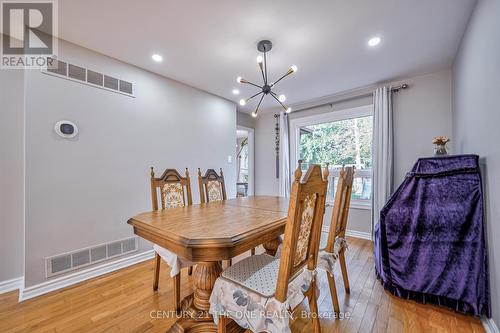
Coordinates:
374	41
157	57
236	92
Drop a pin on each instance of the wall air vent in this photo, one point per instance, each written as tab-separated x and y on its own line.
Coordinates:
95	78
77	72
58	67
89	77
125	87
110	82
67	262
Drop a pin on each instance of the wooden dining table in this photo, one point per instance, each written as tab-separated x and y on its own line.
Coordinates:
208	233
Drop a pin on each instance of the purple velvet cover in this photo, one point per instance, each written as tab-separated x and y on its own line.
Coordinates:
430	241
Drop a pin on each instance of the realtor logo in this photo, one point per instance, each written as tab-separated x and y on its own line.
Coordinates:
29	32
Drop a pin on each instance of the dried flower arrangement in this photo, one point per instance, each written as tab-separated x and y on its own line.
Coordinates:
440	142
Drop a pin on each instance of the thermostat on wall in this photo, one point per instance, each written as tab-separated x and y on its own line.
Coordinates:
66	129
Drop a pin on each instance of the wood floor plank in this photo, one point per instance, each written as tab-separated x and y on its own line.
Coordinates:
124	301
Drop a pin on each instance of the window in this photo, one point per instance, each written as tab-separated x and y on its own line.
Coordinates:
339	138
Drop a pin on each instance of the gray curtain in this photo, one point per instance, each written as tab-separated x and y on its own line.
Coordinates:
284	172
383	146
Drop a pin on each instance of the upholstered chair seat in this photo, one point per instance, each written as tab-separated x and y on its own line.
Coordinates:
246	293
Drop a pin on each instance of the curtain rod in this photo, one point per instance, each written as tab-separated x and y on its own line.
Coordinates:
394	89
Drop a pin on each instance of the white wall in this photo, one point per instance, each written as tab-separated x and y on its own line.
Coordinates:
476	119
420	113
81	192
244	119
11	174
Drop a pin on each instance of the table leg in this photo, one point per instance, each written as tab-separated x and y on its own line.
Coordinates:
195	317
204	279
272	246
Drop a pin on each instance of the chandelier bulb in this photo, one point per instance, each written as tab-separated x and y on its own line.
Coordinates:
288	110
293	68
254	114
238	79
282	98
243	102
260	59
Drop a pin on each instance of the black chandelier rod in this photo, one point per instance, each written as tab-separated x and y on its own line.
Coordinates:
265	65
257	94
290	71
258	105
248	82
262	72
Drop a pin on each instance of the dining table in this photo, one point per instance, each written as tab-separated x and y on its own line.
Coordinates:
207	234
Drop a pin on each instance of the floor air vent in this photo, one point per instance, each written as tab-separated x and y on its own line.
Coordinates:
89	77
74	260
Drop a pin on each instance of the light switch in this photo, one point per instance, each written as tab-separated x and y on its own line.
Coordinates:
229	159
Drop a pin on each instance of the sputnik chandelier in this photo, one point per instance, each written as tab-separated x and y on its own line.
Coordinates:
265	46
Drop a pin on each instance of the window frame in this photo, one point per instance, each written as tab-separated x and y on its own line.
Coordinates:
328	117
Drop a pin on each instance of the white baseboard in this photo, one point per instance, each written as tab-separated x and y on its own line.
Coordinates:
85	274
489	325
12	284
358	234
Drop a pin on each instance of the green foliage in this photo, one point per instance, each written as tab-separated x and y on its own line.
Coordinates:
345	142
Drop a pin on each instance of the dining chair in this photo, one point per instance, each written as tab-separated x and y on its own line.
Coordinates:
175	192
336	243
259	292
213	188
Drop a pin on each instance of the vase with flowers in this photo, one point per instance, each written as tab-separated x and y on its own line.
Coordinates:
440	145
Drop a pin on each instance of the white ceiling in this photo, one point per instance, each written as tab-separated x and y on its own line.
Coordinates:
207	44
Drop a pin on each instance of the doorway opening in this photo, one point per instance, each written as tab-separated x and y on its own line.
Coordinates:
244	161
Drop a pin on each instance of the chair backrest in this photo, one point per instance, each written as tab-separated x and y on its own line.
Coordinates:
303	226
212	186
175	190
340	207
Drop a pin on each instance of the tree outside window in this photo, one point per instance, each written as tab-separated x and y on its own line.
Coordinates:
346	142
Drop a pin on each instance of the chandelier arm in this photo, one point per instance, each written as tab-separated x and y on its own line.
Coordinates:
258	105
257	94
276	98
281	78
250	83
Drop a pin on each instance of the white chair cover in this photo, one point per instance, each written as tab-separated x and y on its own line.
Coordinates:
175	262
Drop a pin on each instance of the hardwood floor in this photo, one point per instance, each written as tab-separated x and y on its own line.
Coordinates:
124	301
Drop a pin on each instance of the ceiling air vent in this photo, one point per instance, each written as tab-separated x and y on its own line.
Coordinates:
89	77
67	262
